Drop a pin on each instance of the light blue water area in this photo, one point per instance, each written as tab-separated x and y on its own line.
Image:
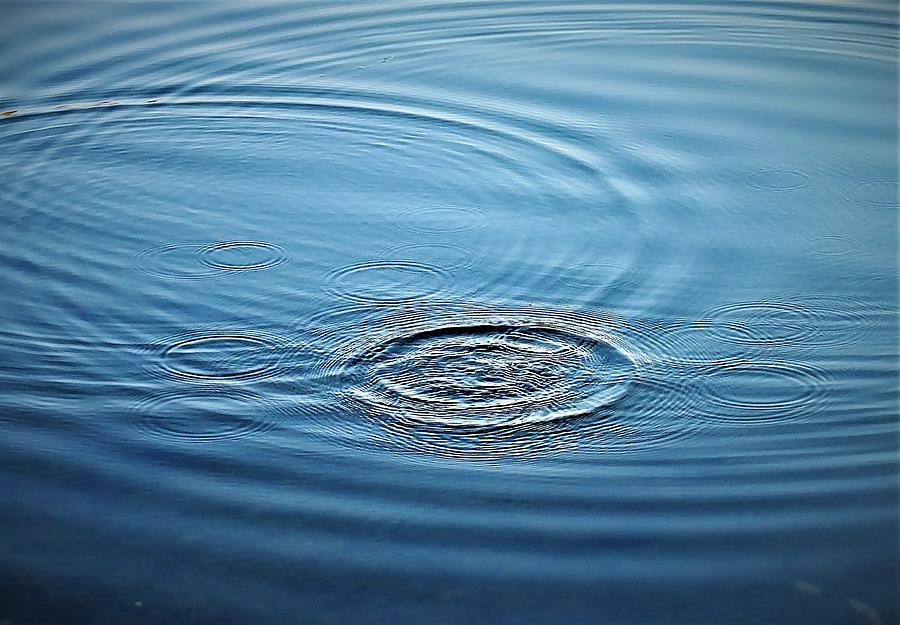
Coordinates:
402	312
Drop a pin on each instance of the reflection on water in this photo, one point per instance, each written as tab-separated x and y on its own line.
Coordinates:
511	312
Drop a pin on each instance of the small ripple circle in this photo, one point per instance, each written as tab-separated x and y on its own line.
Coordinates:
833	245
442	220
209	356
876	192
198	260
749	392
449	257
173	260
205	414
778	180
602	275
687	345
808	321
841	320
387	282
762	323
242	255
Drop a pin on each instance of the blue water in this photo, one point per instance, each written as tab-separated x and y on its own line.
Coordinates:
439	313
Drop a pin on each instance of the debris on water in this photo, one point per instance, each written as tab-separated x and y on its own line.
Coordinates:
9	113
806	587
138	604
384	59
866	610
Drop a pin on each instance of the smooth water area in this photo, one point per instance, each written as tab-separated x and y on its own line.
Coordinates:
511	312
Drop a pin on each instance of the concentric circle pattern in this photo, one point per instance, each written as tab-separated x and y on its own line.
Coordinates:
493	374
209	356
441	220
450	257
387	282
173	260
471	381
205	415
192	261
763	323
602	276
687	345
834	246
804	321
242	255
875	192
483	367
753	392
778	180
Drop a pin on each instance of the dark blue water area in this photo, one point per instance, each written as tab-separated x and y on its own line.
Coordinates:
526	313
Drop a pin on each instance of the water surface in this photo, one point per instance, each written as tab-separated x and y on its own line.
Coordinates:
505	312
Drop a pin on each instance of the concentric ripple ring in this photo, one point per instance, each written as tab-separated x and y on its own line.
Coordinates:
759	391
205	414
442	219
875	192
778	180
833	245
174	261
220	356
486	371
386	282
269	255
770	323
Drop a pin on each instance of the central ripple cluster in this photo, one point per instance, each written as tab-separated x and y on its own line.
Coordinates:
491	374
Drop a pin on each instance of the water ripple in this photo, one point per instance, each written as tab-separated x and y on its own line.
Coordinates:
208	356
387	282
602	276
490	374
205	414
173	260
442	220
834	246
242	255
875	192
769	322
688	345
490	382
806	321
778	180
842	320
752	392
451	257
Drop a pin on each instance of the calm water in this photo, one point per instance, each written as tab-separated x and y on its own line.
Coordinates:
441	313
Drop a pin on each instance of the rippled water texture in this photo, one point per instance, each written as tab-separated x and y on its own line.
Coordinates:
525	313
